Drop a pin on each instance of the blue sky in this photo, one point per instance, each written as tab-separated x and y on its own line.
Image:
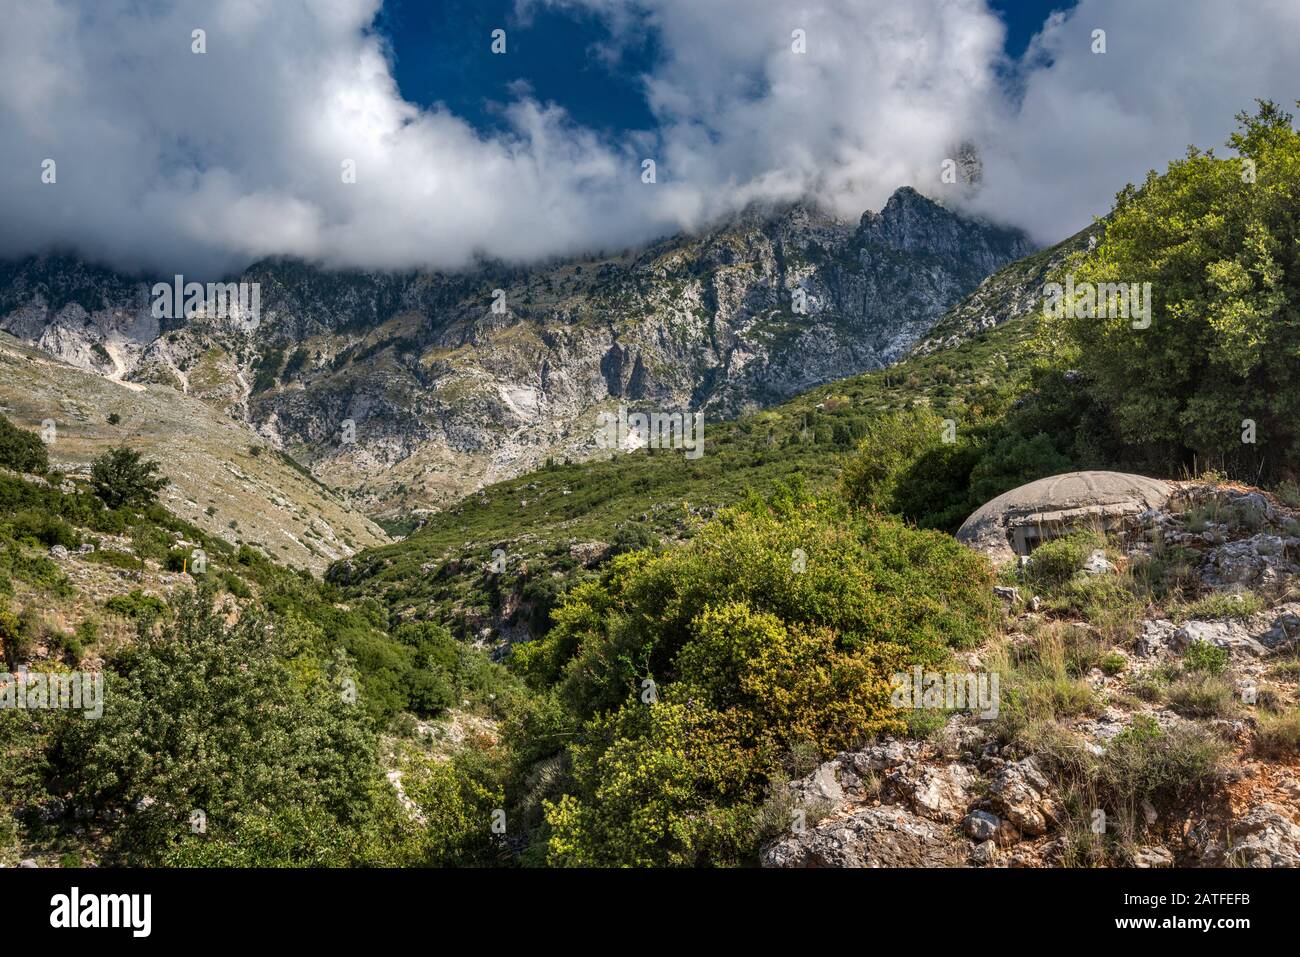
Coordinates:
436	58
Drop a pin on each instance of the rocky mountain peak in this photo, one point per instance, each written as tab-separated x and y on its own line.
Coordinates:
452	380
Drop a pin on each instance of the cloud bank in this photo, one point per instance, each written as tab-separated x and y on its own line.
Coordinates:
168	160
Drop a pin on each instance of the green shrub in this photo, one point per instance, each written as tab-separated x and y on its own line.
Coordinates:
1202	656
692	671
136	605
1114	663
21	450
212	717
892	443
1055	562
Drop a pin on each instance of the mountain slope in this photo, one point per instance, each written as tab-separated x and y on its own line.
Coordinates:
456	381
224	479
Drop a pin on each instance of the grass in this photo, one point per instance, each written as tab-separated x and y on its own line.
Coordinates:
1041	680
1277	735
1285	670
1201	695
1219	606
1143	765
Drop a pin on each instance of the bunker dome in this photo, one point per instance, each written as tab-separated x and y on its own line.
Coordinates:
1015	522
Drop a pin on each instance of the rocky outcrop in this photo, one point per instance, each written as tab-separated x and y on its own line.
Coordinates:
971	797
1265	836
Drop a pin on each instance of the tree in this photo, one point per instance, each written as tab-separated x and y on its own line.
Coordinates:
121	478
225	719
21	450
1212	378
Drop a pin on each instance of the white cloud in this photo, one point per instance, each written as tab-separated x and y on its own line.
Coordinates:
1174	74
169	160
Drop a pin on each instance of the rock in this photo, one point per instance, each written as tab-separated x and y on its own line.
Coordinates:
1098	564
939	794
1008	595
1157	636
981	825
589	553
59	553
885	836
28	862
1258	560
1230	634
821	786
1278	626
1021	794
86	548
1155	856
887	754
1265	836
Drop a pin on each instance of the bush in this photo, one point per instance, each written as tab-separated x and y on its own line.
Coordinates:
691	672
21	450
15	637
892	444
1205	657
136	605
212	717
122	479
1055	562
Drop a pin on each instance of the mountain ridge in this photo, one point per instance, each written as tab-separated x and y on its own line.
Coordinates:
452	381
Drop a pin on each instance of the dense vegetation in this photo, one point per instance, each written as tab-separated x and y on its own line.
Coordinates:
1219	241
691	678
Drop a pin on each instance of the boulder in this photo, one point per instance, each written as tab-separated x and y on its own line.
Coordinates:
1265	836
1258	560
1098	564
1230	634
884	836
1156	637
1156	856
1021	794
938	793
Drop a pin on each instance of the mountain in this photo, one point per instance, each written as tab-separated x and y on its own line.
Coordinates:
456	381
224	479
1013	291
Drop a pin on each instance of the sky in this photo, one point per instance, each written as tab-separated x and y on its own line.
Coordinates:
389	134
